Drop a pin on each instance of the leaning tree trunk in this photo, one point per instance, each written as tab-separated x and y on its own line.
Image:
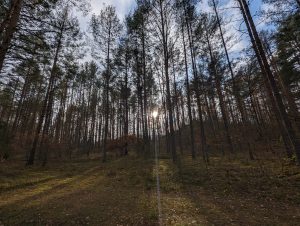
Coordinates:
236	94
293	109
234	86
30	160
272	88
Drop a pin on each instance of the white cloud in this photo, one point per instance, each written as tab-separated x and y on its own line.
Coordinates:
123	7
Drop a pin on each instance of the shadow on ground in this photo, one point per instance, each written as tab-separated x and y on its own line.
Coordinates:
123	192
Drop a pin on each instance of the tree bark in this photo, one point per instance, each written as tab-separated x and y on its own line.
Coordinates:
220	94
48	97
166	67
277	103
188	93
10	29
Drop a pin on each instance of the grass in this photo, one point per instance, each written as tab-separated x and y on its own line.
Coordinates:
78	193
123	192
234	193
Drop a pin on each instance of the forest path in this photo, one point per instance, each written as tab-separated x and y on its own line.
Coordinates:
123	192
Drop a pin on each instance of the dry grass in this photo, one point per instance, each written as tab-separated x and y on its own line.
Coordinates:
122	192
78	193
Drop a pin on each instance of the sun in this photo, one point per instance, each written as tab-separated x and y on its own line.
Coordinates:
155	114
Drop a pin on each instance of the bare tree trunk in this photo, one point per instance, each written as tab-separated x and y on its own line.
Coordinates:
220	95
293	109
188	93
106	113
236	94
145	132
166	67
126	118
234	87
24	92
197	92
288	132
177	108
49	92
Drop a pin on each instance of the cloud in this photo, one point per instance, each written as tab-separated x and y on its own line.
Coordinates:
123	7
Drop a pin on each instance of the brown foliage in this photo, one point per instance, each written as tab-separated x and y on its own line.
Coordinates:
121	144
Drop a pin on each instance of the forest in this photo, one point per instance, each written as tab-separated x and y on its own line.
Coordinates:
177	112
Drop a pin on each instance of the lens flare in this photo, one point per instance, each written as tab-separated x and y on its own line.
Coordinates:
155	114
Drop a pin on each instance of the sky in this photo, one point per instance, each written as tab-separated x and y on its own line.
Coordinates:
228	9
123	7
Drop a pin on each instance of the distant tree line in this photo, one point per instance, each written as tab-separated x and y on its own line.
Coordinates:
167	55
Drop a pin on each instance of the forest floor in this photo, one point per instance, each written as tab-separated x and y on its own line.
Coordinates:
123	192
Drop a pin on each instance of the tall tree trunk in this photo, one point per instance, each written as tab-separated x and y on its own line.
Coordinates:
106	102
49	92
276	100
236	94
188	93
126	118
24	93
11	27
145	134
293	109
177	108
164	34
234	86
220	94
197	87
